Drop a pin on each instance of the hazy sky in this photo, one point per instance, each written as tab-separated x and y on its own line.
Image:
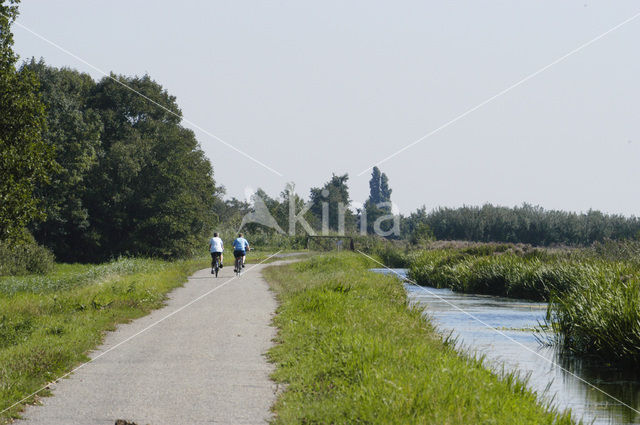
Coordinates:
311	88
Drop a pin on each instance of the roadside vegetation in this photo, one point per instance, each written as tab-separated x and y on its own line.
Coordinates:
48	323
351	350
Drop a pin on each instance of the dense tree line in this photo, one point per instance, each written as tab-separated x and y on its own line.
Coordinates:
131	179
525	224
289	213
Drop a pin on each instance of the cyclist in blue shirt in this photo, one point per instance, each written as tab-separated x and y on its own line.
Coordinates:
240	248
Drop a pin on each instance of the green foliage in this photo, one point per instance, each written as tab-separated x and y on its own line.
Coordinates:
525	224
46	330
379	190
132	181
335	193
374	186
421	235
376	206
351	350
25	160
73	130
152	192
23	256
229	213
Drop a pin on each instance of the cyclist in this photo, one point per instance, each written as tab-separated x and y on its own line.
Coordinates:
240	248
216	247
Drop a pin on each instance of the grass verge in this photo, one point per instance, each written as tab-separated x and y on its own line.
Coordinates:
49	323
351	350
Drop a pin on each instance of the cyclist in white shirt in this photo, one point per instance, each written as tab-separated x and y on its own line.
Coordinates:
216	247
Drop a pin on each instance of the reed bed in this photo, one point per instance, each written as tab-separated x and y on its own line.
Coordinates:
593	294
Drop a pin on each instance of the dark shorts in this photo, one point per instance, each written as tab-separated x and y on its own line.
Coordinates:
239	253
215	254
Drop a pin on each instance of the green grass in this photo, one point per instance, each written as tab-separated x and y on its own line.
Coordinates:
350	350
49	322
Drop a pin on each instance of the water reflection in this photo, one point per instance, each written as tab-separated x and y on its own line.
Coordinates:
517	319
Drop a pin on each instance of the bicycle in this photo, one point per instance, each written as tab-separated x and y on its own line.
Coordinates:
238	265
215	264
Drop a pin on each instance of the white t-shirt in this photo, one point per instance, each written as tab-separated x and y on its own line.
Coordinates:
216	244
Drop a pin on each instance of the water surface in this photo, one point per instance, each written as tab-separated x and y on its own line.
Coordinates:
516	348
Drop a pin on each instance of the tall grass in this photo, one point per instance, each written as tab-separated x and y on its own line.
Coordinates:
600	316
351	350
532	276
67	276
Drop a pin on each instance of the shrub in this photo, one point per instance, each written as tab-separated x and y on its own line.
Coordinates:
24	256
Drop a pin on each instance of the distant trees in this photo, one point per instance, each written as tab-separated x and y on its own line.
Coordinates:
525	224
379	190
415	228
379	202
331	202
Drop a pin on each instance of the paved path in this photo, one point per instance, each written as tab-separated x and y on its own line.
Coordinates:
203	365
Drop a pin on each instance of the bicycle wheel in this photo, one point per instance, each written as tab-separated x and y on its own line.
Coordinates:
217	266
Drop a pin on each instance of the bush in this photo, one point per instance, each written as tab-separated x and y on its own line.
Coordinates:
24	256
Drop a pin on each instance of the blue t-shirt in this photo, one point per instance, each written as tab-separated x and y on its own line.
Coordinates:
240	244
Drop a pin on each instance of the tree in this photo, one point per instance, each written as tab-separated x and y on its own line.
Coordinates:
25	160
152	191
334	197
229	213
379	198
385	191
374	186
74	131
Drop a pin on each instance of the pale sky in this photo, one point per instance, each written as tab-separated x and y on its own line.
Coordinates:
311	88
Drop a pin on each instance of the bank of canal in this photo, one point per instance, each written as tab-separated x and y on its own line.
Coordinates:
544	366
